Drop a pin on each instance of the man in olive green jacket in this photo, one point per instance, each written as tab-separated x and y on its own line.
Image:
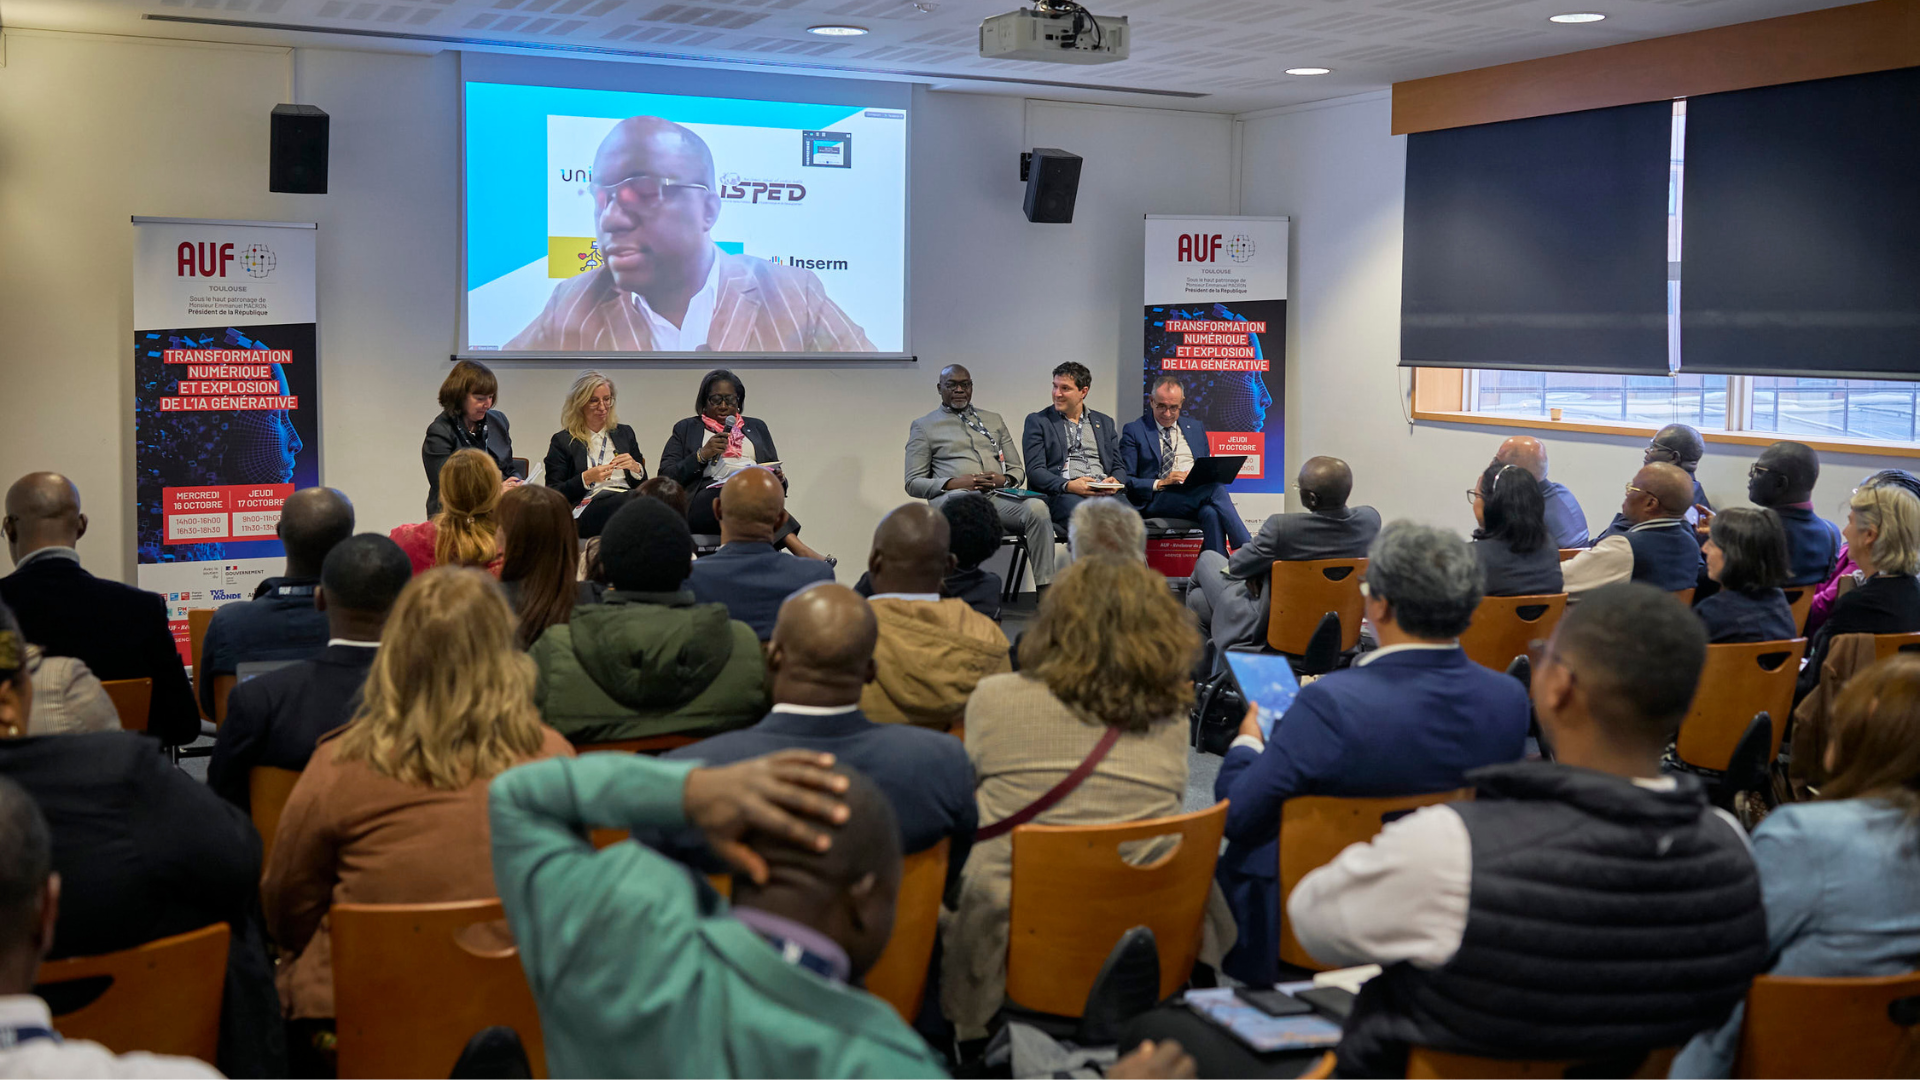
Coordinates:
648	660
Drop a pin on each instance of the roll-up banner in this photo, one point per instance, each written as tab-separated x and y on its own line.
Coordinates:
225	408
1216	310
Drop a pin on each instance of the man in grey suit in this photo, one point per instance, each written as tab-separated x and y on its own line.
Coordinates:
957	447
1230	596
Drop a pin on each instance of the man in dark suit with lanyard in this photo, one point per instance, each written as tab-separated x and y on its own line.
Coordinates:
1073	452
1157	451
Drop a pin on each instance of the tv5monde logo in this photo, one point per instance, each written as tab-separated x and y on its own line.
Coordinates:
1208	247
211	259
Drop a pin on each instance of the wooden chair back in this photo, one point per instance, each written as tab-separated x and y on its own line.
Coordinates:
1430	1064
198	619
1315	828
899	977
1865	1026
1503	626
1738	682
1685	596
654	744
1567	554
132	699
222	686
1885	645
268	789
164	997
1074	896
1800	602
410	988
1304	592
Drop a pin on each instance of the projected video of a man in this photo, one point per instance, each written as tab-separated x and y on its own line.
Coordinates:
664	285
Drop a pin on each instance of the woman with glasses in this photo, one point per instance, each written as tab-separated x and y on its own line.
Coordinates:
1511	543
468	420
1746	552
593	458
716	442
1845	569
1883	539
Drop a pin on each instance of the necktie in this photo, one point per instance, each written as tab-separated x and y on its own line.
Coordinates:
1166	452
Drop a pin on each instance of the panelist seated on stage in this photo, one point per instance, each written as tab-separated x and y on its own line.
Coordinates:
957	447
665	287
593	455
1070	448
1657	546
1156	453
648	659
467	420
716	442
1230	596
748	574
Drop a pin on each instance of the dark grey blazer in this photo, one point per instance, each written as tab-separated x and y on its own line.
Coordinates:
443	438
1240	613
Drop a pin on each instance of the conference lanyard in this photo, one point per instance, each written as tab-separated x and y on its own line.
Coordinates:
972	420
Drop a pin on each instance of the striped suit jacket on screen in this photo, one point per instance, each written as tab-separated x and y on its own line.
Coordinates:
760	307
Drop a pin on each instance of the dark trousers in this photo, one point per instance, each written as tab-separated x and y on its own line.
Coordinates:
1061	506
702	522
1208	504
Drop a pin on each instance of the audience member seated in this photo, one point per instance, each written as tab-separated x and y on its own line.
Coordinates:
1682	447
539	561
718	441
1511	544
1104	676
973	528
462	533
957	447
1156	453
1839	875
1783	480
144	851
1657	546
29	910
1824	597
1411	717
1883	539
1746	553
276	718
668	491
820	660
67	699
648	659
1070	447
280	623
1583	908
392	809
1566	522
750	576
932	650
1230	595
118	631
1107	527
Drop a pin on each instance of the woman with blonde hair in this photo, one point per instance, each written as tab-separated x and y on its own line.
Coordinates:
593	456
462	533
392	808
1108	664
468	419
1883	539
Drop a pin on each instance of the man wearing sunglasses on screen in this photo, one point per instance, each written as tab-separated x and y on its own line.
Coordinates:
665	287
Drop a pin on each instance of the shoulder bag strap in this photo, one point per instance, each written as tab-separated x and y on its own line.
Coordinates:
1054	794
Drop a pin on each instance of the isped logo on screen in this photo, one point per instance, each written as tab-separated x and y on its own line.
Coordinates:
734	188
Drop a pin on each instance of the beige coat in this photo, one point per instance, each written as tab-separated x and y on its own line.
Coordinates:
1022	741
67	699
930	654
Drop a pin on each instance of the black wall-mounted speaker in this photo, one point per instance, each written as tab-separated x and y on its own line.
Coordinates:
1053	179
299	164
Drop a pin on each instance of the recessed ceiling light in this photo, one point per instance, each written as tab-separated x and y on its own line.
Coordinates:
1576	17
837	31
1309	71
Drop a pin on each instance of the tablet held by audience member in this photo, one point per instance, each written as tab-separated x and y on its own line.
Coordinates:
593	454
648	659
392	808
539	561
1516	557
1585	908
462	533
933	649
276	718
1746	553
467	419
716	442
1105	675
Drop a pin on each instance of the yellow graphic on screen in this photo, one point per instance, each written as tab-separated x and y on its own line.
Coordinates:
570	255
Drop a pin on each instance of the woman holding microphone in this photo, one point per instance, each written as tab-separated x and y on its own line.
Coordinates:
718	441
594	457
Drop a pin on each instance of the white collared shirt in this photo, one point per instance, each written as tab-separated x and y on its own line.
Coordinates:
1182	453
77	1057
929	597
695	326
353	642
815	710
600	451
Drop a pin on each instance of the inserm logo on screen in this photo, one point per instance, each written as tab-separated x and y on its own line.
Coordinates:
799	263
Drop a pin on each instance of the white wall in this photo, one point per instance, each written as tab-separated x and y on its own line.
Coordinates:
1334	169
93	130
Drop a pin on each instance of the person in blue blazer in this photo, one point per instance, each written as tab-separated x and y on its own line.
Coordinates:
1070	447
1157	450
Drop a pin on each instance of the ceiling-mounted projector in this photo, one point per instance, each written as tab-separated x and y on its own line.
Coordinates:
1057	31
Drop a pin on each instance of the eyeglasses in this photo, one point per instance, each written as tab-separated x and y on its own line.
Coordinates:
1631	489
1754	470
959	384
723	399
1473	496
636	192
1174	408
1667	452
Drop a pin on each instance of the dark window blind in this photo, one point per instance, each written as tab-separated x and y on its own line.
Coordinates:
1539	244
1801	244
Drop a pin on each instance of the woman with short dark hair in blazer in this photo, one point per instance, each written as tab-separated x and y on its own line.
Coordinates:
468	419
717	442
1515	551
594	456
